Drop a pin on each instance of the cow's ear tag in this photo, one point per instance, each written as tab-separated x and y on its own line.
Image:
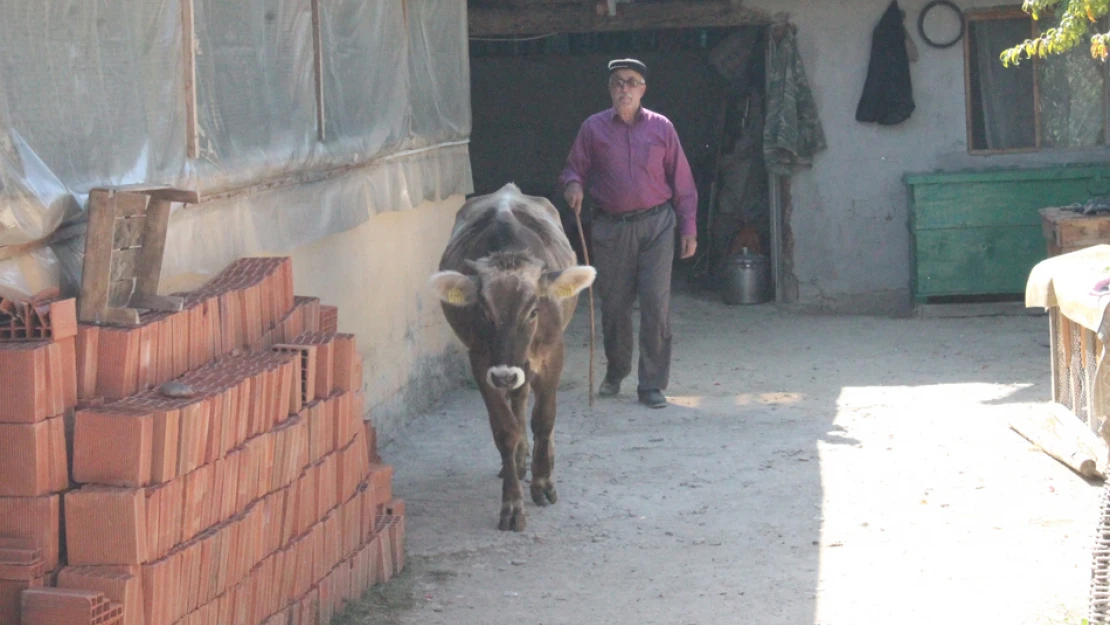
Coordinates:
454	288
571	281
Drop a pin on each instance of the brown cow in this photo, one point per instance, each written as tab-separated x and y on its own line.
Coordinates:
509	284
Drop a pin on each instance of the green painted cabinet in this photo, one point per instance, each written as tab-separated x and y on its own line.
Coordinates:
979	233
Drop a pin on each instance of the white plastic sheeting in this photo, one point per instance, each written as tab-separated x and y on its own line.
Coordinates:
92	93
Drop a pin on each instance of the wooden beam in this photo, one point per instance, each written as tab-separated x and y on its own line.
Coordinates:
318	69
538	19
189	47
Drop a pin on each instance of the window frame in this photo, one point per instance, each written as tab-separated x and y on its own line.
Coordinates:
986	15
1012	12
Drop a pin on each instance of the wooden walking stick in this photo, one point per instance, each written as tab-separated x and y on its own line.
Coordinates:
586	256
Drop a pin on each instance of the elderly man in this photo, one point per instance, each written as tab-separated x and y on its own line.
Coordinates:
638	178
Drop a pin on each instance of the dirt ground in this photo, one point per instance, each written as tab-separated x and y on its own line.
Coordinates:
811	470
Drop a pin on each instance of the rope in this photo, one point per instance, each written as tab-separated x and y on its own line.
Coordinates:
586	256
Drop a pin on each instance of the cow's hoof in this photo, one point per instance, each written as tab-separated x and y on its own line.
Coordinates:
543	493
512	516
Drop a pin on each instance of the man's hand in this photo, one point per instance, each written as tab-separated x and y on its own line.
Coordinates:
573	195
689	246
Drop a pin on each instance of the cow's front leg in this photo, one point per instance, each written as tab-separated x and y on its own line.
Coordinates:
543	431
506	435
520	411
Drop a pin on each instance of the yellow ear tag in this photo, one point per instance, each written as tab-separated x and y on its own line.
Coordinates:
563	291
455	296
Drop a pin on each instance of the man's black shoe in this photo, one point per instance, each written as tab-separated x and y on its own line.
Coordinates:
652	399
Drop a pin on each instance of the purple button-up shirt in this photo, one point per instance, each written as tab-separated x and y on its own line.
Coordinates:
633	167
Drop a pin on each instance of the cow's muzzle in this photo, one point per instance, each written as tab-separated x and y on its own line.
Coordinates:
504	377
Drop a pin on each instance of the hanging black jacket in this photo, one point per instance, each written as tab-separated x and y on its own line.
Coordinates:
887	94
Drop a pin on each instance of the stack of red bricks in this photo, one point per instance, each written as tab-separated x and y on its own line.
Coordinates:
246	491
39	386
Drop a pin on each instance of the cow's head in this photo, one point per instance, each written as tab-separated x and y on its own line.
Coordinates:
512	295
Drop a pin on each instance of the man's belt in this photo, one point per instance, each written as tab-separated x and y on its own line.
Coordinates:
634	215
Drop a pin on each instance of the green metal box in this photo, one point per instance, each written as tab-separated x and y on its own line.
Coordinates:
979	233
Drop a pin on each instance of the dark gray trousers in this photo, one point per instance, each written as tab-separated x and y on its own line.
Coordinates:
633	258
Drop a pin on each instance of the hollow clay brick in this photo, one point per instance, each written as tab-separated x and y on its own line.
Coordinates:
88	339
117	362
112	447
23	368
106	525
119	585
34	523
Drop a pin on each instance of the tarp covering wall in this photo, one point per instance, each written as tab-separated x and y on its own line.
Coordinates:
94	93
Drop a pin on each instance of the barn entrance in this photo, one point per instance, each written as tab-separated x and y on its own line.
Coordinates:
530	93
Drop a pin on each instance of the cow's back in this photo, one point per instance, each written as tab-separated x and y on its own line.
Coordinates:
507	220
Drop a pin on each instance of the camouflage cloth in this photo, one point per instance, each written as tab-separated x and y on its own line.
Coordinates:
792	133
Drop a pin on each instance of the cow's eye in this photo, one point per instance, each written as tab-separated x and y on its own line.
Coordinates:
533	313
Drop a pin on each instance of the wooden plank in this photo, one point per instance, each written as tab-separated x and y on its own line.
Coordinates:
96	269
583	18
1071	380
1054	352
120	316
973	261
161	191
189	46
130	204
1059	434
992	203
119	293
318	69
1065	172
1090	360
128	232
154	245
166	303
124	264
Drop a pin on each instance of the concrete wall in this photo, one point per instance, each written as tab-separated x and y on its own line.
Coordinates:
851	244
850	212
410	356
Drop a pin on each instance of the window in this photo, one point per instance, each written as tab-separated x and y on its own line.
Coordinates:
1053	103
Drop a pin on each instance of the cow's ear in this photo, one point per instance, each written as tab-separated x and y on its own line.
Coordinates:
454	288
569	282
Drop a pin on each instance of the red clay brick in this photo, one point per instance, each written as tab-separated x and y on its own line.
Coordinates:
106	525
147	368
153	504
193	443
381	475
55	385
329	319
198	486
166	434
63	319
23	367
10	599
68	351
23	572
28	458
118	362
346	354
124	588
157	586
88	340
397	542
62	606
112	447
35	522
179	341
